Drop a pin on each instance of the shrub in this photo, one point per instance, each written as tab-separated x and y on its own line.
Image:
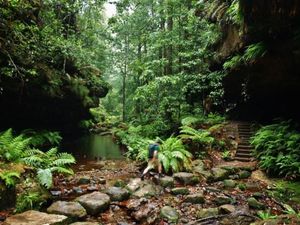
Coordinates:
42	138
277	146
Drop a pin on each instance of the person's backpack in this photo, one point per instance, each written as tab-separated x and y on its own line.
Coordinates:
152	148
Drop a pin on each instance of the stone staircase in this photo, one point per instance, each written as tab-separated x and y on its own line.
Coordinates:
244	151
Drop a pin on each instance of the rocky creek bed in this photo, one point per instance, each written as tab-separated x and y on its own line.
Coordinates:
111	192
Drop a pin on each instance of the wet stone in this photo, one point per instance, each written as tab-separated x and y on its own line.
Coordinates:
95	202
84	180
144	212
229	183
253	203
167	182
134	184
203	213
219	174
55	193
36	218
70	209
244	174
185	178
86	223
170	214
78	190
180	191
92	188
148	190
222	200
197	198
227	209
117	194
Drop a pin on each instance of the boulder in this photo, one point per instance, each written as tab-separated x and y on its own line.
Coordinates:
244	174
219	174
227	209
134	204
170	214
117	194
84	180
180	191
229	183
134	184
222	200
70	209
120	183
86	223
253	203
144	212
203	213
166	182
95	202
186	178
197	198
36	218
147	190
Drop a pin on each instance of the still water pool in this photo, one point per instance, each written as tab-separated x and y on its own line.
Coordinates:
93	147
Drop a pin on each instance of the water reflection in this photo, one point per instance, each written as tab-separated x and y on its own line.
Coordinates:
93	147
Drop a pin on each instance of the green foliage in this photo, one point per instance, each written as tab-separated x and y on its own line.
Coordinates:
265	215
286	191
12	148
254	51
226	155
234	13
173	155
210	120
203	137
17	149
134	142
48	163
28	201
9	177
233	62
42	138
277	146
290	210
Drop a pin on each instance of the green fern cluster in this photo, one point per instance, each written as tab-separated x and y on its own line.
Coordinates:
202	137
9	177
277	146
42	138
48	163
252	52
11	147
234	12
18	149
211	119
173	155
28	201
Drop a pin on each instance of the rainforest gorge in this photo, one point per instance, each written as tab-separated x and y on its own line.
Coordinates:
86	86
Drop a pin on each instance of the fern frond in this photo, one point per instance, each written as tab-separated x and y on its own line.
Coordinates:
45	177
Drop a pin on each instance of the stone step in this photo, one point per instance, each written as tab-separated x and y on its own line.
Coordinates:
244	146
244	151
243	155
245	134
242	159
